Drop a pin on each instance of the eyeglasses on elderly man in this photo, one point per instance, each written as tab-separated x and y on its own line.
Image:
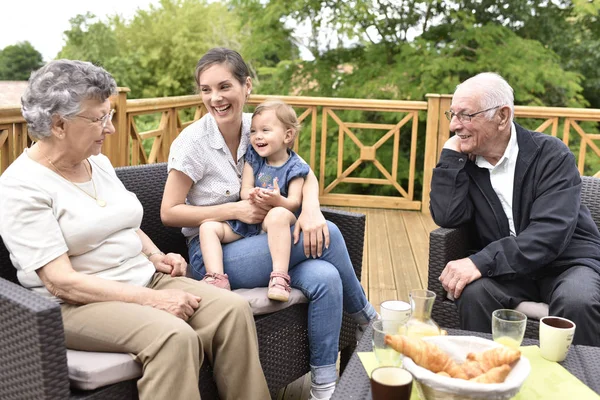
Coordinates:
462	117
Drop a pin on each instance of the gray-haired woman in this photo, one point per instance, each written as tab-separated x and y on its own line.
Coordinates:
73	233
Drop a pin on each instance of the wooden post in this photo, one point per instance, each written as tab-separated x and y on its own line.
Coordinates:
431	146
116	146
444	124
170	133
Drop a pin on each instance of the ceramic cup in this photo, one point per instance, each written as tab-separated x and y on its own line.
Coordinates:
556	336
395	310
391	383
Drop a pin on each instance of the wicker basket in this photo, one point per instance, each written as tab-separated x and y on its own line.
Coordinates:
435	387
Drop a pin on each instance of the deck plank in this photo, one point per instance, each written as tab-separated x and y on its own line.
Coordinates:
403	261
418	236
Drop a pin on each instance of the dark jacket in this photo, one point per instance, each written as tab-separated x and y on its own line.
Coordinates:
554	231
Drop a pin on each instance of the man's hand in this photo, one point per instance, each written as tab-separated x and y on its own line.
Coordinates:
175	301
316	233
457	274
453	143
172	264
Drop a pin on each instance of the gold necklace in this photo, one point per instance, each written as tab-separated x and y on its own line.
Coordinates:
99	201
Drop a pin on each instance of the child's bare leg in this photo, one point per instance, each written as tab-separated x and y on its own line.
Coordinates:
212	235
277	225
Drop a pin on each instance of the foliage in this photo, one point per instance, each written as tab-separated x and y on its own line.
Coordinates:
386	49
392	49
156	52
18	61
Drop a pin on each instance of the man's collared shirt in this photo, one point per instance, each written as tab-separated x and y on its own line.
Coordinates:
502	176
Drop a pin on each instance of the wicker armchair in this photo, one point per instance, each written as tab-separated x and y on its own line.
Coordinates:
33	363
450	244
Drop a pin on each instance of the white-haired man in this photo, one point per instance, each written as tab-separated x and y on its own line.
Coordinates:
521	190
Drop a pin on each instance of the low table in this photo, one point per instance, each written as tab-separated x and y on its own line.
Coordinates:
581	361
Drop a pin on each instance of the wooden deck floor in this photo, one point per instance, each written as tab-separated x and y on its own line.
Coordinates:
395	261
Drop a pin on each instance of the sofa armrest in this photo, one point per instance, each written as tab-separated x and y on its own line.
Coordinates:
352	227
445	244
33	358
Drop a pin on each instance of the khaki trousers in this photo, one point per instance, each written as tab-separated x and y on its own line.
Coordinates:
172	350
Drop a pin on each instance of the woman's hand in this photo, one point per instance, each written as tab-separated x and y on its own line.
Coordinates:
316	233
173	264
175	301
250	213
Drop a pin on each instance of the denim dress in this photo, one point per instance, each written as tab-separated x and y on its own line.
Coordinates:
264	174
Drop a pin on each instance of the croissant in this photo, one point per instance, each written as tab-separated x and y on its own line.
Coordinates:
494	375
472	368
426	355
493	358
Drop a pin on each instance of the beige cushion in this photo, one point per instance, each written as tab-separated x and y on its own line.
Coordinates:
530	308
533	310
90	370
261	304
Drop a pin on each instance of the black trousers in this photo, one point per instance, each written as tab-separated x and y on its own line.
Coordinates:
574	294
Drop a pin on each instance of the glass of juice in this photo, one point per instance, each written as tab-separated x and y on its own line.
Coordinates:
508	327
385	355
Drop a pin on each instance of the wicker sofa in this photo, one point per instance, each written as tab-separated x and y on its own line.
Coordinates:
33	361
450	244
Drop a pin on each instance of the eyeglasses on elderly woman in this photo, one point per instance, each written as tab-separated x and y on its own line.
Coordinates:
103	119
462	117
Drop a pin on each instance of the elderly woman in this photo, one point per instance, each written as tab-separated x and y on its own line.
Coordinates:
73	233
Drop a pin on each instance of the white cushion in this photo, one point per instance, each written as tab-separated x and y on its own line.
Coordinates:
90	370
533	310
261	304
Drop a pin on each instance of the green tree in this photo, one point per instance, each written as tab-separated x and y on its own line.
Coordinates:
18	61
155	53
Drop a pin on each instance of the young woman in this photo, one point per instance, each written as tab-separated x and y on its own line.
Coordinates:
206	163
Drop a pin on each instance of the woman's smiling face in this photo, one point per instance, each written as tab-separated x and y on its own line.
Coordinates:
222	94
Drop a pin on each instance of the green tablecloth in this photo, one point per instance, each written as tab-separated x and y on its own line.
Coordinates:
547	380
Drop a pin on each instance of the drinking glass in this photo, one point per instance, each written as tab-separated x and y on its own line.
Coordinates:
385	355
508	327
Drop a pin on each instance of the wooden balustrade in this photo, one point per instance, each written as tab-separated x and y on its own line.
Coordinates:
406	138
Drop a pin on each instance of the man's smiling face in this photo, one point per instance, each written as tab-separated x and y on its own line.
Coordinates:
478	136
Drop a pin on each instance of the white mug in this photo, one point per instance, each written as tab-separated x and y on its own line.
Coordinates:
556	336
396	310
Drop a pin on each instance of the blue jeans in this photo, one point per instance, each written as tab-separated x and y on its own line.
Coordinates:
329	283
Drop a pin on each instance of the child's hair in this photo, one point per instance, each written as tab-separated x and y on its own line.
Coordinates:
285	114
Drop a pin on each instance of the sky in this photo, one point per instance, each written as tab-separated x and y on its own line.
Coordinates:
42	22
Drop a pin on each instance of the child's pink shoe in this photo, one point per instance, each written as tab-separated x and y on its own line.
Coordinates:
279	286
218	280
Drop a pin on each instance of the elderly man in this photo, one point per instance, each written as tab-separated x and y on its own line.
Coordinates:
521	191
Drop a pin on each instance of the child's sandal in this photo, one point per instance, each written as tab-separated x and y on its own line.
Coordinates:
218	280
279	286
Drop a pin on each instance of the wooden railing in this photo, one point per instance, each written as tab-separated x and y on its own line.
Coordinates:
408	136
